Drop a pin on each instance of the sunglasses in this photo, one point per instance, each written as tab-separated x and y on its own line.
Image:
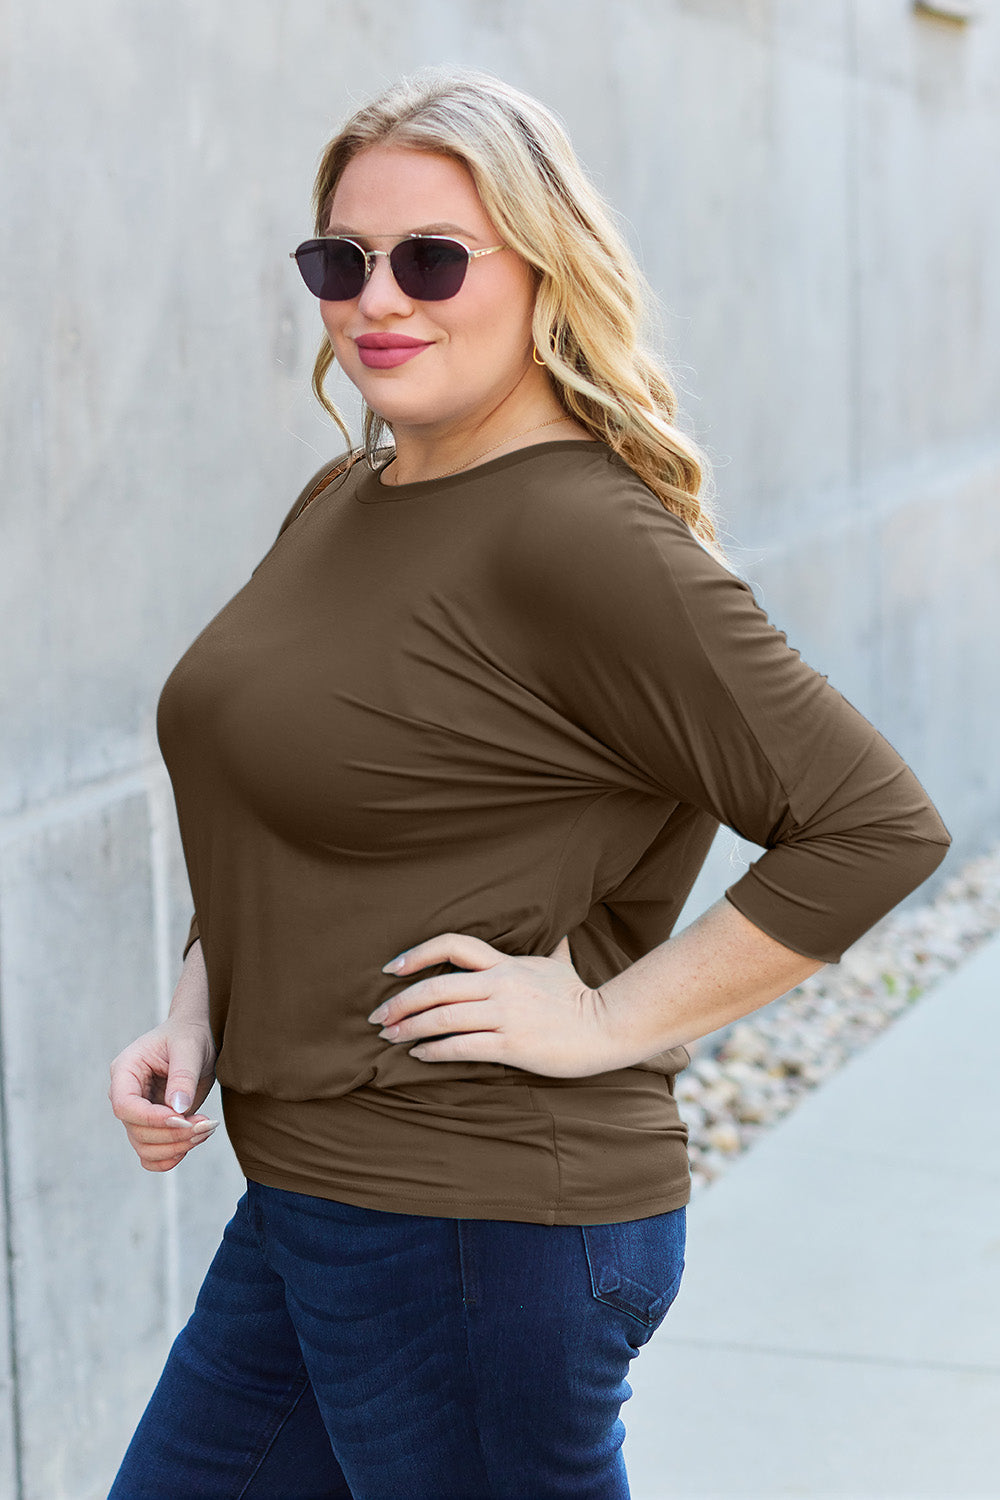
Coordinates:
427	267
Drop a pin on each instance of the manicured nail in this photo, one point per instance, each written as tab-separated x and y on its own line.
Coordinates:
395	963
180	1102
377	1016
205	1128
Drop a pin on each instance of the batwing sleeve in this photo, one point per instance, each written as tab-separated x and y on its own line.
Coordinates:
640	913
666	659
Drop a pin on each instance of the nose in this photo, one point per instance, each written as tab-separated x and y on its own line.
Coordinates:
381	293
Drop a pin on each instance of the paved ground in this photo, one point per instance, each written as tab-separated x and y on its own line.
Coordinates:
837	1333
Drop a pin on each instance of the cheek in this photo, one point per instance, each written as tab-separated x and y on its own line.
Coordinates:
499	323
332	314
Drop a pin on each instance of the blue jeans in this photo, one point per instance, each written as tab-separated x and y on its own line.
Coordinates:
356	1354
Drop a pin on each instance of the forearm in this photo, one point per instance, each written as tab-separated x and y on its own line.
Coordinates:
190	999
718	969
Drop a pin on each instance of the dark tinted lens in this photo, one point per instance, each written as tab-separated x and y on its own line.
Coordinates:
332	269
429	270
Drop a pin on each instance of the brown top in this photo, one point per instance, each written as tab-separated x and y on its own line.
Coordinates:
515	702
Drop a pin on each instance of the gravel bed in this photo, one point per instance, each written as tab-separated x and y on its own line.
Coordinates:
754	1071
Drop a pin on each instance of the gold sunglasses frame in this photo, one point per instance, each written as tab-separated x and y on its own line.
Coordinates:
370	255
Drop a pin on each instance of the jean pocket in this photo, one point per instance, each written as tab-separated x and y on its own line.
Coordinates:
636	1266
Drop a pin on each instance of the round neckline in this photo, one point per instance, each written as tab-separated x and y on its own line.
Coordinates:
371	490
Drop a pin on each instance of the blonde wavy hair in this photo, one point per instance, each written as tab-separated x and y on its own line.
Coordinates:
592	304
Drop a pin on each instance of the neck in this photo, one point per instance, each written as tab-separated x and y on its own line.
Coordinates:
419	460
434	450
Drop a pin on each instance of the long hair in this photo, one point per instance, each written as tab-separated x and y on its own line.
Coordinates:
592	302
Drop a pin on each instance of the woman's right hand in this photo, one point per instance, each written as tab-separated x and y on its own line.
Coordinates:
175	1061
163	1076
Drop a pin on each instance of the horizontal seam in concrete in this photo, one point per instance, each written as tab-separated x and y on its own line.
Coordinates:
825	1356
81	801
880	496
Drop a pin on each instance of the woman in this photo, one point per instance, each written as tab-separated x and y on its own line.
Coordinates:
482	706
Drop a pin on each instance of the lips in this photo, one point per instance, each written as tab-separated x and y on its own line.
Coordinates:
382	351
389	341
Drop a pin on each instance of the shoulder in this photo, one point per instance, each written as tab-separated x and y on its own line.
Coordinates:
588	520
317	483
599	562
593	498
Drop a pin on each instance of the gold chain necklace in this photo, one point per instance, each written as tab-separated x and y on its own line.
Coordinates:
550	423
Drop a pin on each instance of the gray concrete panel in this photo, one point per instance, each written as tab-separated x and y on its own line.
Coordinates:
928	233
747	220
939	562
87	1226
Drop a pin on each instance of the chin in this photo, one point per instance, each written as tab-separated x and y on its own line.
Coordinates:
398	413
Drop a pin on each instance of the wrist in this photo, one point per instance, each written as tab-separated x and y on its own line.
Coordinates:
191	997
189	1006
181	1015
625	1042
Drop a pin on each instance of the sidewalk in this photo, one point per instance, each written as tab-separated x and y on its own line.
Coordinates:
837	1332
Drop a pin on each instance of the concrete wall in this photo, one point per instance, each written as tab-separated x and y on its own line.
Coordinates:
813	191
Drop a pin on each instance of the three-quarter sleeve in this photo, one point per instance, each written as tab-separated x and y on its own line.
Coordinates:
665	657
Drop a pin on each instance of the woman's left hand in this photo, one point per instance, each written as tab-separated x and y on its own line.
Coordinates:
529	1012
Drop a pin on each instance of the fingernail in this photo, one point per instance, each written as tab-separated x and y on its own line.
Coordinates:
206	1128
379	1015
395	963
180	1102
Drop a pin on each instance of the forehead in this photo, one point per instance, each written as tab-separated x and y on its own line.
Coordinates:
395	190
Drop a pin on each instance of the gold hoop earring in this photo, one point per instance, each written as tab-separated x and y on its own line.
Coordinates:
534	355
